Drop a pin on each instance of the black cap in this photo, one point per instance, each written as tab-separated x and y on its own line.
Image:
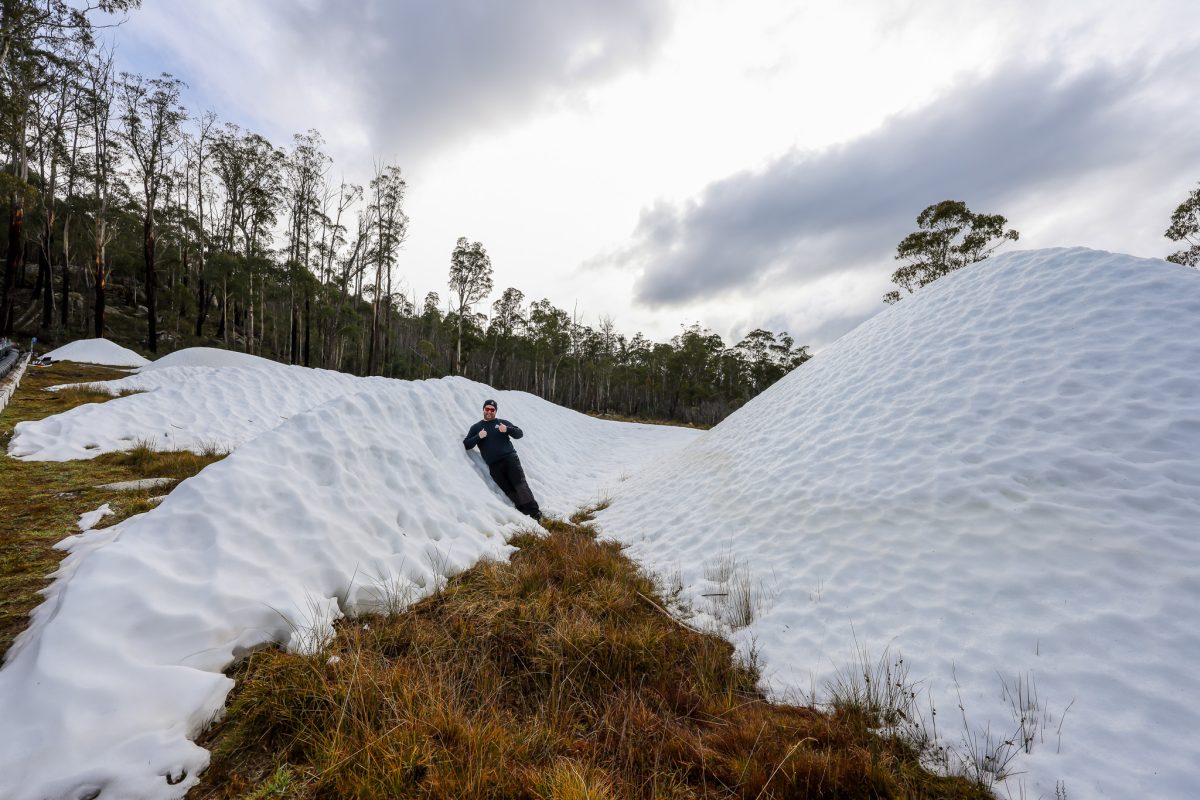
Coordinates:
490	402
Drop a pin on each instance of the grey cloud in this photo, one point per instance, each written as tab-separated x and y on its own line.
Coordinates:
426	73
993	140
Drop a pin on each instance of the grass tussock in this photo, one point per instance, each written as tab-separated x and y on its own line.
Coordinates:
40	501
150	462
554	675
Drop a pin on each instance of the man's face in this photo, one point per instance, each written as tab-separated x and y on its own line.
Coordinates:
489	413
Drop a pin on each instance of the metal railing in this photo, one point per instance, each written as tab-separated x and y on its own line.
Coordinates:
10	356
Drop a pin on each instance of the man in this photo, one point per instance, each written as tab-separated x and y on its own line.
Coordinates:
494	437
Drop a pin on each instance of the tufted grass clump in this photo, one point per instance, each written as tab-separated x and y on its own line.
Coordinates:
555	674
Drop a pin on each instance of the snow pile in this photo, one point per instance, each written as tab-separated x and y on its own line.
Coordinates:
365	498
98	351
209	357
90	519
183	408
999	474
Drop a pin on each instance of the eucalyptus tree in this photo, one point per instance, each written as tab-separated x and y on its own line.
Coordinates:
98	105
950	237
388	190
51	105
470	282
550	329
74	160
250	171
22	65
333	242
305	170
507	319
151	117
36	37
766	357
197	149
608	343
1185	227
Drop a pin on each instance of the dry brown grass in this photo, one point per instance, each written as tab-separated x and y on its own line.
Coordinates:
674	423
40	501
553	675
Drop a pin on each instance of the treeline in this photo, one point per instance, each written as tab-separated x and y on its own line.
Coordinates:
216	235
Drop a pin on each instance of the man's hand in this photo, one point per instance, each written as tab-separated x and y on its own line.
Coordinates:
502	428
483	433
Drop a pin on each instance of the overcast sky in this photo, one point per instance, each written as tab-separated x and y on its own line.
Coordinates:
739	164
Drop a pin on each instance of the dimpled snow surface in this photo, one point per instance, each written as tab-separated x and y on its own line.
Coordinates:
341	493
999	477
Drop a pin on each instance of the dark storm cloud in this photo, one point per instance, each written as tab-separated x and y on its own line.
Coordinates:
425	73
994	140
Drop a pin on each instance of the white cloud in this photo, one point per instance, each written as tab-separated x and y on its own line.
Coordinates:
544	129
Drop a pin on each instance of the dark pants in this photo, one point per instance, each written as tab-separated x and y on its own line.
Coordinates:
510	477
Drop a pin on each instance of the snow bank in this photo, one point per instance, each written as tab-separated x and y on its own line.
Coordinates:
98	351
334	509
999	474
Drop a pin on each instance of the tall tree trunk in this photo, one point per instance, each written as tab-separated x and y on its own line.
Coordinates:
40	279
64	311
15	261
202	303
458	349
250	318
307	326
98	314
149	243
291	323
44	271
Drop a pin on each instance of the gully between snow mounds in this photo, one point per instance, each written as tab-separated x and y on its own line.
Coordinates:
365	493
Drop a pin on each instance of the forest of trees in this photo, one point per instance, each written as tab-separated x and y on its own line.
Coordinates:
118	198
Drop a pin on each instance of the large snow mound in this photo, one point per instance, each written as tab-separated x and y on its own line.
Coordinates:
341	506
98	351
210	357
1000	474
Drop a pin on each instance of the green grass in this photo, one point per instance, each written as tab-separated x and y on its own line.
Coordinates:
42	500
555	674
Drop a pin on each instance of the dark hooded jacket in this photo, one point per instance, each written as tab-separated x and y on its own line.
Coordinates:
496	446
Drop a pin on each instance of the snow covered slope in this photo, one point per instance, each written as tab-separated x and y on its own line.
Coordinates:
999	474
98	351
366	495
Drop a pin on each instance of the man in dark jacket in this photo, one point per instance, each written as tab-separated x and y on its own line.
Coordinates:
494	438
